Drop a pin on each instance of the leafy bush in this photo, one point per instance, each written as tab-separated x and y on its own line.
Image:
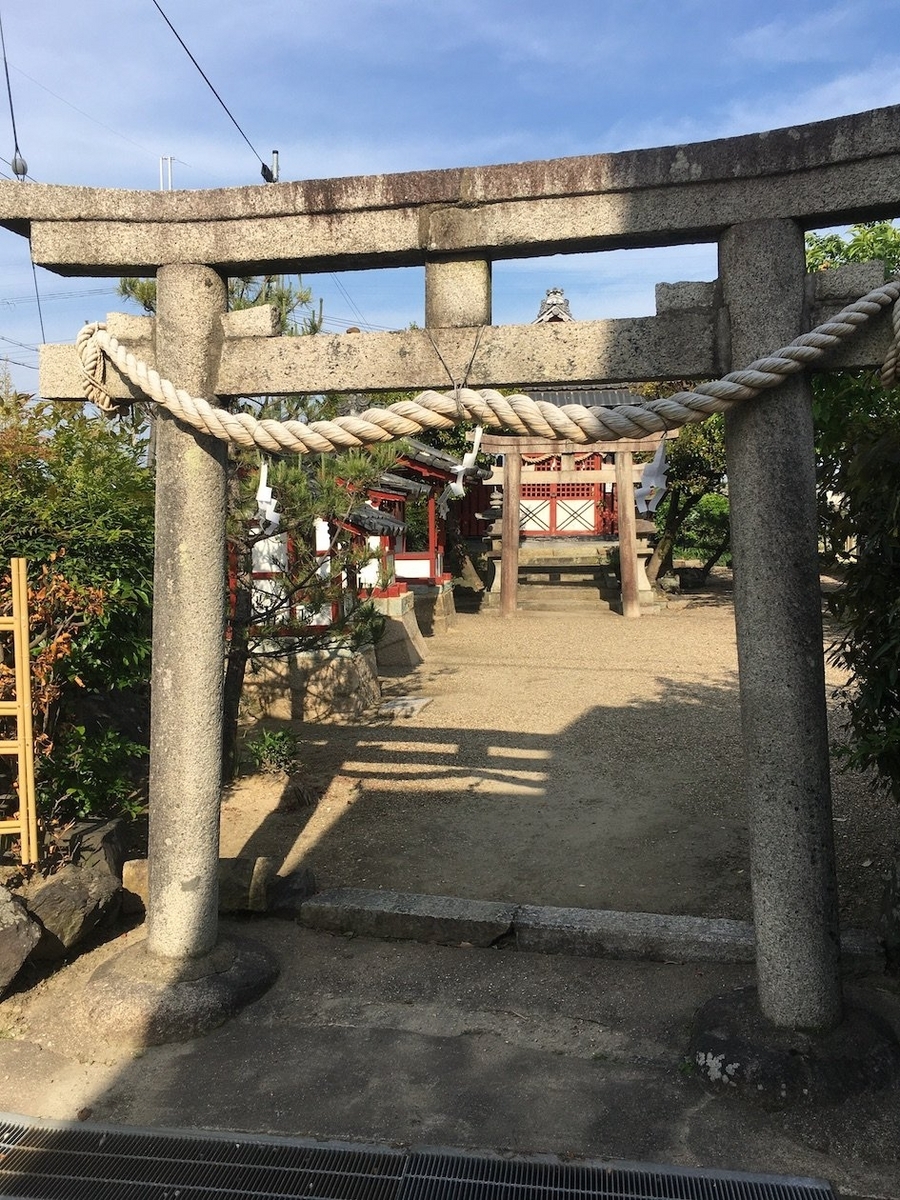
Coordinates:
88	775
868	606
74	492
705	532
274	750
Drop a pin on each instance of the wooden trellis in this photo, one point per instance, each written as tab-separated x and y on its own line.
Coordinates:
19	710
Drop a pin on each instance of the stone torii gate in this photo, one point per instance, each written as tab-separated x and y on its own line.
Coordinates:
753	195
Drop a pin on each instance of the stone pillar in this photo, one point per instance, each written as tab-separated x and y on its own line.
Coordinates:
771	482
509	545
188	628
457	293
628	558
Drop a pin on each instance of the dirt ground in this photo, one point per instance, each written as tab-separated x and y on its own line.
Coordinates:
561	759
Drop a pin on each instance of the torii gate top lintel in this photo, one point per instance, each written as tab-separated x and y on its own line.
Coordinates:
811	173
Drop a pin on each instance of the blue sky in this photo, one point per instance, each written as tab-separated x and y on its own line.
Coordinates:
102	90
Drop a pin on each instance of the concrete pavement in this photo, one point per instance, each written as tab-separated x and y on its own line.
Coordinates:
482	1048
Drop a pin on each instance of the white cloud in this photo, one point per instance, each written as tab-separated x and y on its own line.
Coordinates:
876	86
820	37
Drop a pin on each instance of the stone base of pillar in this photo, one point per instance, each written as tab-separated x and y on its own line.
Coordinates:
734	1048
435	608
138	999
401	647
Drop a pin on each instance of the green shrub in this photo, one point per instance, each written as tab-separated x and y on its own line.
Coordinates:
705	530
274	750
90	776
868	606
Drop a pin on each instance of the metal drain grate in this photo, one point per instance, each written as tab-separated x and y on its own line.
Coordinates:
42	1160
464	1177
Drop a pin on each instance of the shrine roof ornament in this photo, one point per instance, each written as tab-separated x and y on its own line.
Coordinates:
554	307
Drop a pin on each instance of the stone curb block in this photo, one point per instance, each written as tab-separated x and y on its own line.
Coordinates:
659	937
546	930
444	919
608	934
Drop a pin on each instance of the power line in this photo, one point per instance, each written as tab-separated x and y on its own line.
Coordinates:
266	170
87	116
37	295
9	301
20	170
340	287
13	342
18	163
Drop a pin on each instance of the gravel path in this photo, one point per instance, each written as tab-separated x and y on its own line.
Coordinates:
561	759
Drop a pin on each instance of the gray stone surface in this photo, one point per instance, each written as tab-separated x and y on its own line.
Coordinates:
19	934
832	172
313	685
401	647
435	608
244	884
188	628
139	999
595	933
97	844
778	607
457	293
677	344
447	919
69	904
677	296
674	345
410	1044
735	1048
287	892
847	282
648	936
135	886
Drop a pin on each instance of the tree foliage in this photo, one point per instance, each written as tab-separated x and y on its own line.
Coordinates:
76	502
695	467
858	437
74	493
847	403
868	604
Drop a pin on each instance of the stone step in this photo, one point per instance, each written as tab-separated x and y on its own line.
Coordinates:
573	580
561	600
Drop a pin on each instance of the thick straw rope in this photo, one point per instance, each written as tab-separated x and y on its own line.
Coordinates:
521	414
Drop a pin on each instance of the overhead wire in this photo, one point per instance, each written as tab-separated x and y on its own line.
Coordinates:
266	170
353	308
87	116
9	301
14	342
12	111
20	170
37	296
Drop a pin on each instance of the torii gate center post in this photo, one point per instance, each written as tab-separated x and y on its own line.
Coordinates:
755	196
